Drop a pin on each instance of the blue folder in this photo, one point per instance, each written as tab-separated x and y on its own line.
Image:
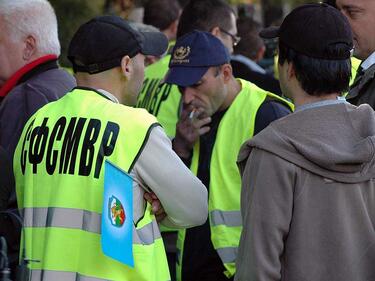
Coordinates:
117	215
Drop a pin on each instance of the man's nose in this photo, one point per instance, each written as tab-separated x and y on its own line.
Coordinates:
187	95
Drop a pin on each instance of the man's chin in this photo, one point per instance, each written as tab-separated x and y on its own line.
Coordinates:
358	53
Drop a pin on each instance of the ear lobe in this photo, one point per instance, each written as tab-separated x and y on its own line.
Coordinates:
290	71
260	53
215	31
173	26
227	72
30	48
126	66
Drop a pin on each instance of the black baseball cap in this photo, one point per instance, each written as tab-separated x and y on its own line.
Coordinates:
310	29
193	54
102	42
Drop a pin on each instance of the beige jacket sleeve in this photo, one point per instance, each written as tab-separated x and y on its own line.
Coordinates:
160	170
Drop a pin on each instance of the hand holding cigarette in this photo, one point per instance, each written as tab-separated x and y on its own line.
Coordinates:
192	114
190	127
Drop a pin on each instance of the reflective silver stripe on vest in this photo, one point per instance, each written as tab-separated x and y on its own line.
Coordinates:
84	220
51	275
62	217
147	234
227	254
228	218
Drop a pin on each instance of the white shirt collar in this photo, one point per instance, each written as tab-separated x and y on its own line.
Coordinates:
109	95
368	62
338	100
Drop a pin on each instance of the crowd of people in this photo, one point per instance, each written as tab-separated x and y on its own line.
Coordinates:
171	135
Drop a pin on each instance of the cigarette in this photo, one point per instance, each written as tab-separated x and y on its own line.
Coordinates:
191	115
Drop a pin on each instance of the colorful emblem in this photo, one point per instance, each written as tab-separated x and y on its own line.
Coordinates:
116	212
181	53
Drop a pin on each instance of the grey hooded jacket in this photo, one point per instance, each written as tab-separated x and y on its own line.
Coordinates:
308	197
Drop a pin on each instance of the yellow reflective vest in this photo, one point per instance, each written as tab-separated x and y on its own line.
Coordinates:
161	100
59	170
236	126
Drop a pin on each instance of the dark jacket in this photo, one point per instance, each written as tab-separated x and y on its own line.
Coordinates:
263	80
363	90
8	223
6	180
308	197
41	85
37	88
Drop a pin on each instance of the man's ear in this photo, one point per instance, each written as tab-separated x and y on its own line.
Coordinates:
215	31
173	27
260	53
30	48
291	73
227	72
126	67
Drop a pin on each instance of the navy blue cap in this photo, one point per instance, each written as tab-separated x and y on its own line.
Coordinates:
193	54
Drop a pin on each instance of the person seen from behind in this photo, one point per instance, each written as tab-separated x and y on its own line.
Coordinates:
308	194
73	150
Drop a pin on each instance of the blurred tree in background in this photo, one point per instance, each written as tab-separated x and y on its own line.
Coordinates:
274	2
272	10
72	13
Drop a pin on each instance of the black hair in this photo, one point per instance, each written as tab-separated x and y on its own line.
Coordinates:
319	76
161	13
250	43
204	15
331	2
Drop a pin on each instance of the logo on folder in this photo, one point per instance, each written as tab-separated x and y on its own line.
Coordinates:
117	215
116	212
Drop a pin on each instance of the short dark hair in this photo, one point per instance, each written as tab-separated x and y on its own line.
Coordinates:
204	15
248	30
319	76
331	2
161	13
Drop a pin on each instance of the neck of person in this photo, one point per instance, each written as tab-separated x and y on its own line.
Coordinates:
303	98
100	81
234	88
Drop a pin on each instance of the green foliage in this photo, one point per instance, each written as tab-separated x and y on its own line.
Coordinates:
276	3
70	15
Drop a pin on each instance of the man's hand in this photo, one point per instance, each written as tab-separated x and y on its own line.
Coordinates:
157	208
191	125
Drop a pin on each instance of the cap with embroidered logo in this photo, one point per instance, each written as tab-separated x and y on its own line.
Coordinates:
193	54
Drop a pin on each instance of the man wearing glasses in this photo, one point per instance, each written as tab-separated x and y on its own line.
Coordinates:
162	100
235	39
